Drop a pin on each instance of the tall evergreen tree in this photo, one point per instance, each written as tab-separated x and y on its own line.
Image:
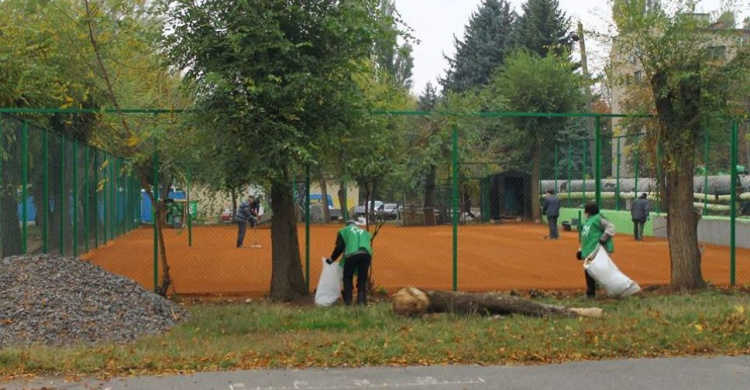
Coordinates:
428	99
543	28
484	47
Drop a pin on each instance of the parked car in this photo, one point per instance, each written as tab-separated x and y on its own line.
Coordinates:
360	210
391	210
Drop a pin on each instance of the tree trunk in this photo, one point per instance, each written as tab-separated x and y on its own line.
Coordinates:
536	209
682	227
324	196
412	301
287	281
233	193
429	198
166	279
680	134
342	200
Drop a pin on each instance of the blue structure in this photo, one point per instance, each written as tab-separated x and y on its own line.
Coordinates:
146	203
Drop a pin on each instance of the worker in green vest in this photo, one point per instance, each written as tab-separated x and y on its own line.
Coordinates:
597	232
354	243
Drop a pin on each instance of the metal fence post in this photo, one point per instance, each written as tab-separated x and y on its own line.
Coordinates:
155	214
705	178
586	141
454	153
307	225
87	194
637	152
570	169
556	168
598	165
61	203
45	194
617	185
105	197
25	186
733	209
189	210
75	198
96	197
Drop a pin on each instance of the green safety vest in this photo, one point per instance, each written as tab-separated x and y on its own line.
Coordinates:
592	231
356	240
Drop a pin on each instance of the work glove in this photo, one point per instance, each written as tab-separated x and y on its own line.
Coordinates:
579	255
329	261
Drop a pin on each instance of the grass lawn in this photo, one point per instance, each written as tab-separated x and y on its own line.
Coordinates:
231	336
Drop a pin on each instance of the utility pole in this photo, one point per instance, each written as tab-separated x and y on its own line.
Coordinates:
587	93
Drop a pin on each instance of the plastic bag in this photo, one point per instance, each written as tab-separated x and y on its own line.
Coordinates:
329	285
606	273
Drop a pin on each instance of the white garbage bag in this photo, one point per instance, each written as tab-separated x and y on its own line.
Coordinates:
606	273
329	285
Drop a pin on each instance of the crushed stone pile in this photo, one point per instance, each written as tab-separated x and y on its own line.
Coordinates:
55	300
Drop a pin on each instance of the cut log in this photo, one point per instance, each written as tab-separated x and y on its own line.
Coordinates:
413	301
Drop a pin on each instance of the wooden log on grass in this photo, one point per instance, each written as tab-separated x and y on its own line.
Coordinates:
413	301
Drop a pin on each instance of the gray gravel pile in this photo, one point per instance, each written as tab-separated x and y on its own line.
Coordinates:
55	300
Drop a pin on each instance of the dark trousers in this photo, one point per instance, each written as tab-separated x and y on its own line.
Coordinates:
361	264
553	233
638	229
241	229
590	285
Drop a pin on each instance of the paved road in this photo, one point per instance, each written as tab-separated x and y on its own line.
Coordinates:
726	373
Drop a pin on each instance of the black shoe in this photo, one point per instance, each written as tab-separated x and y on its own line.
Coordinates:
361	298
239	245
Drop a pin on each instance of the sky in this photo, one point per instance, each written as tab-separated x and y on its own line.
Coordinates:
435	22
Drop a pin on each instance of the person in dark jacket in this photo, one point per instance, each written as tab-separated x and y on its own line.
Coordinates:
551	208
355	244
639	212
243	216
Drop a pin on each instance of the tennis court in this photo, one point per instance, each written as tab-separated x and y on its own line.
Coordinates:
490	257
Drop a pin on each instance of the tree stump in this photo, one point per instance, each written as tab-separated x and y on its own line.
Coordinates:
412	301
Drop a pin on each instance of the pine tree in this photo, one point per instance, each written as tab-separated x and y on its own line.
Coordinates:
543	28
484	47
428	99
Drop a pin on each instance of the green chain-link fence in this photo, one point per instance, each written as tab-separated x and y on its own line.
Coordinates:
60	195
457	194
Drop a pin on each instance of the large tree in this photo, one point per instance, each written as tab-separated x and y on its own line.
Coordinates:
690	81
529	83
279	72
543	28
485	44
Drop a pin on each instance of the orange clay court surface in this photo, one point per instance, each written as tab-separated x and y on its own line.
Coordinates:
490	257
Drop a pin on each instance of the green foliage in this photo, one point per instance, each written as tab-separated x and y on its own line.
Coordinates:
485	44
543	28
528	83
272	76
394	58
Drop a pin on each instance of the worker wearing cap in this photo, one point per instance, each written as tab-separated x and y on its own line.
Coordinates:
354	244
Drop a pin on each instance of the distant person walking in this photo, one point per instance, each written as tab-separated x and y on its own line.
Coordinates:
551	208
355	244
639	212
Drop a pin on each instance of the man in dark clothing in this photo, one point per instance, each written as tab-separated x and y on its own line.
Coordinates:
354	243
243	216
551	208
639	212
